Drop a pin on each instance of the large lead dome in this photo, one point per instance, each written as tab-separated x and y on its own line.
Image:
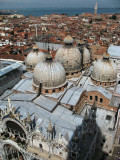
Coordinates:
104	71
34	57
50	74
70	57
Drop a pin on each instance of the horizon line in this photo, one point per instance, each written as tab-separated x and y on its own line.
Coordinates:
60	7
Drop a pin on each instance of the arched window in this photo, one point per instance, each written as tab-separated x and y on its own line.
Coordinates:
101	100
46	91
40	145
59	89
108	117
15	128
96	98
53	90
90	97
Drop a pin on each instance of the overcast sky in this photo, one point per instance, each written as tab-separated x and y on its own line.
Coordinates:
59	3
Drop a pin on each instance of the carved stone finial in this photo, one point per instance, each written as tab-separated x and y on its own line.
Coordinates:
10	104
28	118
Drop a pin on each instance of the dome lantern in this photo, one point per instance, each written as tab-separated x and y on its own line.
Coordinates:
48	58
106	56
35	48
68	40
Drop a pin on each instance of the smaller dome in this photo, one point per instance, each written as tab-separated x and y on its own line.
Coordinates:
31	60
86	56
41	56
68	40
34	57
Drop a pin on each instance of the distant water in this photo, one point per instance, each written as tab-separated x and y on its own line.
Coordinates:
69	11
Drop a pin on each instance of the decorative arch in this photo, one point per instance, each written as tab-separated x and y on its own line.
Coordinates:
36	134
7	121
15	146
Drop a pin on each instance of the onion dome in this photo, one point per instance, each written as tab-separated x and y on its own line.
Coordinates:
70	57
86	56
49	73
34	57
104	70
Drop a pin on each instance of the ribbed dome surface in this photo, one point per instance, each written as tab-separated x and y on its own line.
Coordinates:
41	56
49	73
70	58
33	58
104	70
86	56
